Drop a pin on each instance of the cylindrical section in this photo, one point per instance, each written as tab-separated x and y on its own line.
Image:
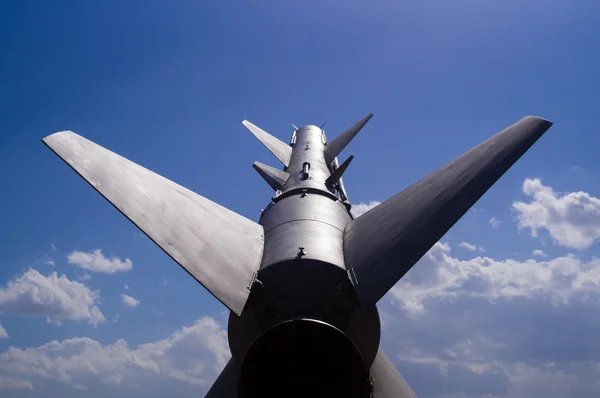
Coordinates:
309	148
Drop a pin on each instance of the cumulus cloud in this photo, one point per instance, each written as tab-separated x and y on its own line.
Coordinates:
486	328
467	246
54	297
129	301
3	334
126	286
361	208
470	247
539	253
495	222
572	219
474	327
439	275
193	356
96	262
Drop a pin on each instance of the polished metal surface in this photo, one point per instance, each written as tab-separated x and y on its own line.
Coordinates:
387	381
383	244
219	248
309	149
280	149
305	206
303	241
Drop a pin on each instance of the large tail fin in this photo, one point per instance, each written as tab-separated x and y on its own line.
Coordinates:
383	244
219	248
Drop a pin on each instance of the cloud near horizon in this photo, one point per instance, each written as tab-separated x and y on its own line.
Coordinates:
456	325
193	355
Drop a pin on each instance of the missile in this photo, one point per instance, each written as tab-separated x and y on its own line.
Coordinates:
302	284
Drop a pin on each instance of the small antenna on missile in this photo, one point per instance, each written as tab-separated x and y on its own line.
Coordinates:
294	126
321	127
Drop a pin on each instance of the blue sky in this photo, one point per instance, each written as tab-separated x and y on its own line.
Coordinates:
167	86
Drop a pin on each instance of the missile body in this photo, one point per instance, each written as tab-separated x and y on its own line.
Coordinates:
302	284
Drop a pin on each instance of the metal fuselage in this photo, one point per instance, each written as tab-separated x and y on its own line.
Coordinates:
302	275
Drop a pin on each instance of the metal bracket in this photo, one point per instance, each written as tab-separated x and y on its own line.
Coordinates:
252	279
352	277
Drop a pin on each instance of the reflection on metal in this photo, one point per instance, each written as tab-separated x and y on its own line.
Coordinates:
307	272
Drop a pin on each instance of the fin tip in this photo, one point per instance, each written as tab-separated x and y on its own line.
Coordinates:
541	119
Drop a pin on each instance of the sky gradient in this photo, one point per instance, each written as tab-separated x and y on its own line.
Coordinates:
503	306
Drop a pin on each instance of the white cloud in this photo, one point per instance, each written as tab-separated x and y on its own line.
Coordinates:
9	383
53	247
45	260
53	321
3	334
470	327
361	208
96	262
439	275
572	219
539	253
57	298
129	301
193	356
126	286
476	335
470	247
467	246
495	222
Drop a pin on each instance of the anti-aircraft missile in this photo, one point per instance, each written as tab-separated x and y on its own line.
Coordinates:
303	282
